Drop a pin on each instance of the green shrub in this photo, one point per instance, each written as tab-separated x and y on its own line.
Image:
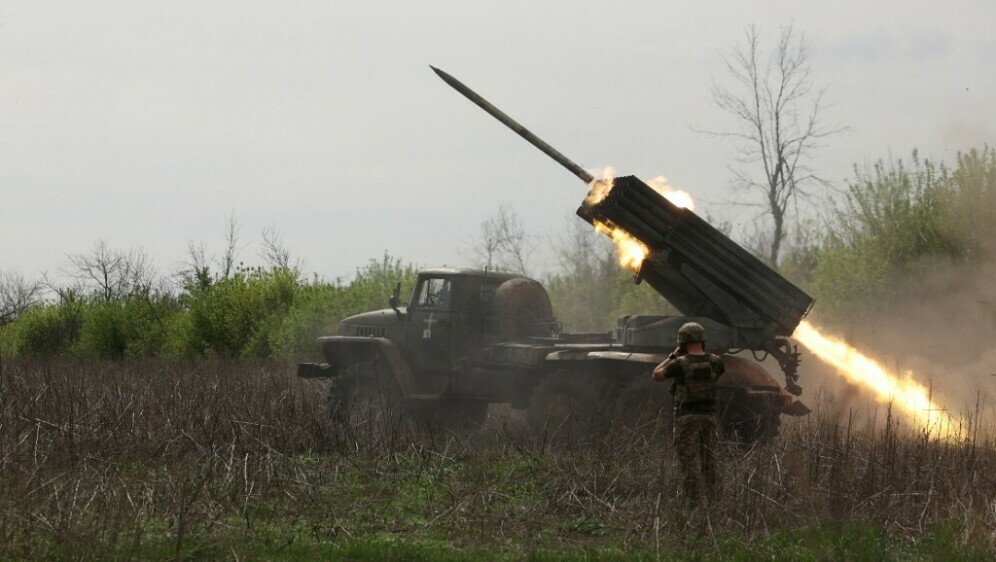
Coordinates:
48	329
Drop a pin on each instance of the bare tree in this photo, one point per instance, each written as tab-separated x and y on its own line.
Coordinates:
197	260
780	124
275	252
111	273
227	260
17	294
502	242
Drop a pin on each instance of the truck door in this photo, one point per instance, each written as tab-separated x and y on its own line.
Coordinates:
431	323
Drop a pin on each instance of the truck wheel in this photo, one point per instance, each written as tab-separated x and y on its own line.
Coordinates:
748	425
448	415
566	407
644	406
365	392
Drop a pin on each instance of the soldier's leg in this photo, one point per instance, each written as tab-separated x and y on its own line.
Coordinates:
686	447
709	454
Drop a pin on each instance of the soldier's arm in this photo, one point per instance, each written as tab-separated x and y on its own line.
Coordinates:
718	366
661	369
667	368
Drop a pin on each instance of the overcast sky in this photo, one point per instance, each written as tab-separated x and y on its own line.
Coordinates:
146	123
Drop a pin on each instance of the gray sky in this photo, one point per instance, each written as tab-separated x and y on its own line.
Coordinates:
146	123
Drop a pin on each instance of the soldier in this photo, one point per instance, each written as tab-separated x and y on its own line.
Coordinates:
695	373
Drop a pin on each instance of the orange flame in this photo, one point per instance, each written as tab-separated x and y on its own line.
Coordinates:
911	397
680	198
630	251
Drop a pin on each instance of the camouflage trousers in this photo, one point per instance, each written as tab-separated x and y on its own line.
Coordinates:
695	443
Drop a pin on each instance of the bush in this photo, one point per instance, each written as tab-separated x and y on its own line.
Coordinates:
898	221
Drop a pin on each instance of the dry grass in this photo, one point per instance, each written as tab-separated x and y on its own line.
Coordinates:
159	460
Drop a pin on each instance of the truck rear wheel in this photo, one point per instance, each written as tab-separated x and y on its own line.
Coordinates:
745	424
566	407
448	415
644	406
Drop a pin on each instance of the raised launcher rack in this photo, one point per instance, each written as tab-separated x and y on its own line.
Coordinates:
705	274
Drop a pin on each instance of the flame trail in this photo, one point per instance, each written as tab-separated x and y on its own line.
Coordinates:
912	398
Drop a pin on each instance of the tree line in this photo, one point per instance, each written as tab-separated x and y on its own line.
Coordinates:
896	220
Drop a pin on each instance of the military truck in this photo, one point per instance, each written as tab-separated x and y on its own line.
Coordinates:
468	338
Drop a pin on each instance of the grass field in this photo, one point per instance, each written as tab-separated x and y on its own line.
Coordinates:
152	460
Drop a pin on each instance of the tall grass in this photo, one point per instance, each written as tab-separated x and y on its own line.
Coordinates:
150	459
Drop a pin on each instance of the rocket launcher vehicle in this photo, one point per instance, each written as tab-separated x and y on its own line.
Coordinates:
697	268
704	273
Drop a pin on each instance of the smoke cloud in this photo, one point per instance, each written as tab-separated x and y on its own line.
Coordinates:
940	326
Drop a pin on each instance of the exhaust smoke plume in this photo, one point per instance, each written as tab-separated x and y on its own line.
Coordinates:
942	326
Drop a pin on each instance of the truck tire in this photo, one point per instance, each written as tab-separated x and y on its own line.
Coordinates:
741	417
746	424
566	407
366	392
644	407
447	414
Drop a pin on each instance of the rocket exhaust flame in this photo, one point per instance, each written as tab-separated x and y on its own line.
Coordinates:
598	189
630	251
912	398
680	198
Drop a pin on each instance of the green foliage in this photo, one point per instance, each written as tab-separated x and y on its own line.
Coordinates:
318	307
899	220
258	313
253	313
971	219
226	314
49	329
132	326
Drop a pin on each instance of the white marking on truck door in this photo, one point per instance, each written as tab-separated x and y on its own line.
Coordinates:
427	332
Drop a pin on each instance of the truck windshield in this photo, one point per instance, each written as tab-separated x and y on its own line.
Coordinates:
433	292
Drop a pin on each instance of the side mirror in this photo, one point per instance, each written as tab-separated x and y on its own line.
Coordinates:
395	299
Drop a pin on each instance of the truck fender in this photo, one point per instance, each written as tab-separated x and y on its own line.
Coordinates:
344	351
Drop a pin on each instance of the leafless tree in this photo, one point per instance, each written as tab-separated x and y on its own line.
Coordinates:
17	294
197	259
198	262
780	124
111	273
227	260
276	253
502	242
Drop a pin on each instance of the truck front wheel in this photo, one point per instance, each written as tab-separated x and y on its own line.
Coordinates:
565	407
365	392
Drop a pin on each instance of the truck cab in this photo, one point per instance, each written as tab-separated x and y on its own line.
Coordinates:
451	315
